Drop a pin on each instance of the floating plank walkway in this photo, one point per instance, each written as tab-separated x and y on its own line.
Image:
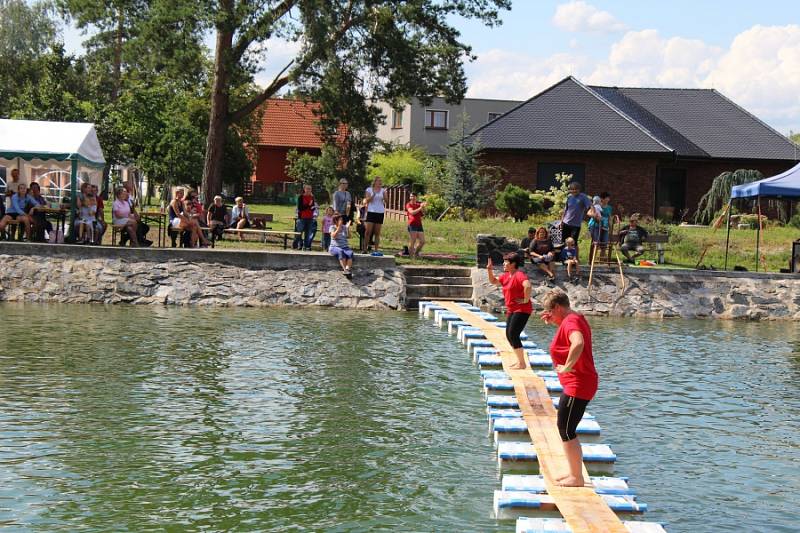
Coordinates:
519	404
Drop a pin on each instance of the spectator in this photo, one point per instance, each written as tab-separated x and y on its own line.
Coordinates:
141	227
240	216
542	253
343	201
525	244
18	208
121	215
217	217
600	224
517	295
569	255
195	208
632	238
416	233
327	222
11	186
571	352
340	247
305	217
596	219
87	220
101	217
39	221
375	214
182	221
578	206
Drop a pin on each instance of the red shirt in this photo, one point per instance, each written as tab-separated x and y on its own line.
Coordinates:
582	381
305	208
513	290
414	220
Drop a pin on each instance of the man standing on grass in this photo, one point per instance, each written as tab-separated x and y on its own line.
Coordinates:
578	207
342	201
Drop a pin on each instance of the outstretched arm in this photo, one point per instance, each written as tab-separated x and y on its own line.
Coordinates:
490	270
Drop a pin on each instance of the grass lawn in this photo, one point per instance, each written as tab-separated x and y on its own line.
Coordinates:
457	238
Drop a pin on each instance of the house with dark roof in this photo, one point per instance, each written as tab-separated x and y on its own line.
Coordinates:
655	150
285	125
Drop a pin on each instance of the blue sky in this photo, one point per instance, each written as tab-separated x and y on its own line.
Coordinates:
748	50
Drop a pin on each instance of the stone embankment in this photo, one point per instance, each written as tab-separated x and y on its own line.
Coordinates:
82	274
656	293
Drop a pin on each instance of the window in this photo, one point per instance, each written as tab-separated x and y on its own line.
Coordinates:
397	119
546	174
435	120
493	116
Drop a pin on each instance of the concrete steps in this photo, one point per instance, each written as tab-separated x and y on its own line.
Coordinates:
437	282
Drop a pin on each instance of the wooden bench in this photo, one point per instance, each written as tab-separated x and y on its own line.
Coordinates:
261	232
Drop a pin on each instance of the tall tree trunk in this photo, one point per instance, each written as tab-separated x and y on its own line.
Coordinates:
118	57
219	120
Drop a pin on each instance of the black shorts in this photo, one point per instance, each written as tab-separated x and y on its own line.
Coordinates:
569	231
415	229
375	218
14	215
570	412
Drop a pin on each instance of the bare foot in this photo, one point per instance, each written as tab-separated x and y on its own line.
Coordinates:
571	481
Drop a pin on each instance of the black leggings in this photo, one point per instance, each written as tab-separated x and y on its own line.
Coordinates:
515	322
570	412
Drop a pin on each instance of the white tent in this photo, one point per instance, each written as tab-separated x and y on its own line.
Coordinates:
57	155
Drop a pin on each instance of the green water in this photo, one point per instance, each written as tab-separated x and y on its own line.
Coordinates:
150	418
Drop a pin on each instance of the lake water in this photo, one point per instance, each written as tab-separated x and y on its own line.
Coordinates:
150	418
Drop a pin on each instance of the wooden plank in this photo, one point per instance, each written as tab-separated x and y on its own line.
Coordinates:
581	507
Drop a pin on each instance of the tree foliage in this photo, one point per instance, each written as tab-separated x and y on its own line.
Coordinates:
469	185
720	193
516	202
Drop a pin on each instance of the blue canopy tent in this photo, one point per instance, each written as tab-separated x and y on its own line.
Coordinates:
785	185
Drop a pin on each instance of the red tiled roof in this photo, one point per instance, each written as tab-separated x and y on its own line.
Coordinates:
289	123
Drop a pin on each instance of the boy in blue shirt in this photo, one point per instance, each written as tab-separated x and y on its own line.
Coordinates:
569	255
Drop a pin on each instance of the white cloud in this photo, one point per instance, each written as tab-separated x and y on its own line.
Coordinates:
275	54
760	70
578	16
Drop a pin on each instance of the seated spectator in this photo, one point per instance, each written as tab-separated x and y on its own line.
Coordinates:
340	247
217	217
631	239
195	209
18	209
87	220
542	253
182	221
569	255
101	226
525	244
240	216
121	212
39	221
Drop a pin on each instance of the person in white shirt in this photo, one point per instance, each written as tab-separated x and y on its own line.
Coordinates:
375	212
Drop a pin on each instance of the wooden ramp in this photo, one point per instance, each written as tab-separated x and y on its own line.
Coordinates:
582	508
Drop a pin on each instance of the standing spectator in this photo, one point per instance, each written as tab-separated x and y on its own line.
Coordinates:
375	214
416	233
17	210
600	225
217	217
101	217
121	215
11	187
39	221
571	351
542	253
578	206
305	217
327	222
631	239
340	247
517	294
240	216
343	201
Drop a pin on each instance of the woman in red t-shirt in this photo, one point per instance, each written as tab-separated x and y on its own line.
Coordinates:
571	351
517	293
415	232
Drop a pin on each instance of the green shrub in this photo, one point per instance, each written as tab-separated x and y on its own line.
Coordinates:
517	203
436	205
795	221
402	166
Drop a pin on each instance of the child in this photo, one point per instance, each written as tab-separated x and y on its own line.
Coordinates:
87	220
570	257
595	223
327	221
340	248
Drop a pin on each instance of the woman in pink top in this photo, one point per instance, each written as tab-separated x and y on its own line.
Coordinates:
121	215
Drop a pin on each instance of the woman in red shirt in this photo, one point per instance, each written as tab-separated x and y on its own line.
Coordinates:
517	294
571	351
415	232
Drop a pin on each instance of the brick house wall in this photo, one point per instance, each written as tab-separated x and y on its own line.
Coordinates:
270	165
631	179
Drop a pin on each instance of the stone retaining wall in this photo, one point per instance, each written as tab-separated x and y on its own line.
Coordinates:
666	293
81	274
